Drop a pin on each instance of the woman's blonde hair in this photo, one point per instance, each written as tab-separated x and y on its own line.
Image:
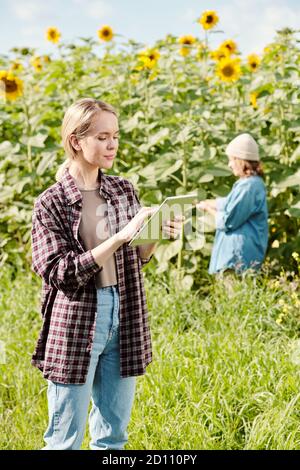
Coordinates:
249	167
77	121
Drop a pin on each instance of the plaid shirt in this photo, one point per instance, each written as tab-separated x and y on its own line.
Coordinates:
69	295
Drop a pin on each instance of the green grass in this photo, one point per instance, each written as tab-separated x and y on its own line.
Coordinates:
225	375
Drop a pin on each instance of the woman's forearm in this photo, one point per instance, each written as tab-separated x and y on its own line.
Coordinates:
102	252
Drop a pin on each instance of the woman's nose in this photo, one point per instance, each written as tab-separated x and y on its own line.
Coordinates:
111	144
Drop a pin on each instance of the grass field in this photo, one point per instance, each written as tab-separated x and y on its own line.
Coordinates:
225	375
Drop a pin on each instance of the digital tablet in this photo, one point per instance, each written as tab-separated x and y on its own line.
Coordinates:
151	231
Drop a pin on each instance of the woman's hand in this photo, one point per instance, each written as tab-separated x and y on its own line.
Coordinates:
202	205
207	205
172	228
128	232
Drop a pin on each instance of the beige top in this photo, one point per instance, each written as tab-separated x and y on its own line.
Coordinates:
94	229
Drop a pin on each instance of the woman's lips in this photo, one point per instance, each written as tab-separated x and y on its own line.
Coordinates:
109	157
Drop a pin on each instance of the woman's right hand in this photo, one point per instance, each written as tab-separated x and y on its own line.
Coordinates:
128	232
206	205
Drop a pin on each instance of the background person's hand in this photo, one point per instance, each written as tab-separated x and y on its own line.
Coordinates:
128	232
172	228
202	205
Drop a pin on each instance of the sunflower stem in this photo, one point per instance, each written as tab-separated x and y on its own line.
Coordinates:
28	133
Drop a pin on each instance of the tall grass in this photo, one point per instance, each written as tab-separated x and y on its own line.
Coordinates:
225	375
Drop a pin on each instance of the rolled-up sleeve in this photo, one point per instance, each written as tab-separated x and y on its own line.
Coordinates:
52	257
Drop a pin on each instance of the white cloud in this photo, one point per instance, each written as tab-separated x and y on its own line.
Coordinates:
190	15
96	9
31	10
32	31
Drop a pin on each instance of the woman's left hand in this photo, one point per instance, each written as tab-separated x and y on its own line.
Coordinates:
172	228
202	205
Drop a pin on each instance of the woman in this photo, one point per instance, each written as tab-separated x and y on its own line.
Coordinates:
242	217
95	337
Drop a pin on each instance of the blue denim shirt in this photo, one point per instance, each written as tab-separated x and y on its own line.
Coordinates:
241	227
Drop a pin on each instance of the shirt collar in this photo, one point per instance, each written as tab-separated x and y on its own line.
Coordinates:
72	192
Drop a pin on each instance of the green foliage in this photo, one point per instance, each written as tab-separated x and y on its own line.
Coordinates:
225	370
175	123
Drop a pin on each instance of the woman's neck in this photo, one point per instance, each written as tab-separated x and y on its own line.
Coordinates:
85	178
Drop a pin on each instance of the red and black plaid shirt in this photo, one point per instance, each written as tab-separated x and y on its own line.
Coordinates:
69	296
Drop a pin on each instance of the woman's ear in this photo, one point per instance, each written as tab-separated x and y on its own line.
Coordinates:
74	141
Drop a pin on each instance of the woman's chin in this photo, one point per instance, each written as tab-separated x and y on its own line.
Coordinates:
105	163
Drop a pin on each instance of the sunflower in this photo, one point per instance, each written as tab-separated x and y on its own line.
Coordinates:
253	62
219	54
46	59
228	69
253	99
105	33
16	66
208	19
53	34
149	58
11	87
184	51
188	40
36	63
230	45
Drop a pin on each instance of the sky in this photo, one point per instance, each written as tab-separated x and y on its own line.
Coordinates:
251	23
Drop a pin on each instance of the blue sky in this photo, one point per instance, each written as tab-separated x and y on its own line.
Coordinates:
251	23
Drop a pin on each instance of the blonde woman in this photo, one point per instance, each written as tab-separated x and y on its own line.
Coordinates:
95	337
241	217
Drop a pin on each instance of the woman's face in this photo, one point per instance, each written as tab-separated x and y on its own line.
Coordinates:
100	146
233	166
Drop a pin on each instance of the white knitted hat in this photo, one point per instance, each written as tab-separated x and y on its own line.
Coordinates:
244	147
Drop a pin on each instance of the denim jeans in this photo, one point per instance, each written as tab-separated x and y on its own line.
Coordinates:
112	396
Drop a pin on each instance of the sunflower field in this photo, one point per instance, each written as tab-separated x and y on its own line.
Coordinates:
179	102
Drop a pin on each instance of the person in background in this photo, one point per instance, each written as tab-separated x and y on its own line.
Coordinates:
241	217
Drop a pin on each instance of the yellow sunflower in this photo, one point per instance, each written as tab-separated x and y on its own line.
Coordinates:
36	63
16	66
105	33
149	58
46	59
11	87
230	45
208	19
219	54
229	69
184	51
187	40
253	99
253	62
53	34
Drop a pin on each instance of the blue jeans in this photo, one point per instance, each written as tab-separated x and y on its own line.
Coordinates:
112	396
